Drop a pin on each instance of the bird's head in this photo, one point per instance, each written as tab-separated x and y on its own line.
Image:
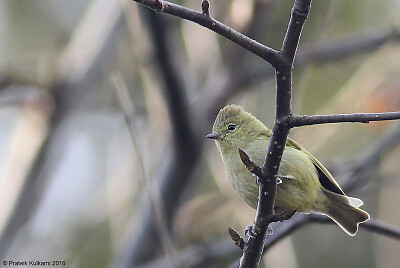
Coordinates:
234	128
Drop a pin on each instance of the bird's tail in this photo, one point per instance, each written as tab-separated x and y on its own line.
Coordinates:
345	211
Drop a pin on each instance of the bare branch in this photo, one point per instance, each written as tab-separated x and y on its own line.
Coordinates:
267	187
179	167
300	12
381	228
270	55
304	120
284	231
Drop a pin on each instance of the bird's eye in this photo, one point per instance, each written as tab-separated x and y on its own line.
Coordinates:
231	127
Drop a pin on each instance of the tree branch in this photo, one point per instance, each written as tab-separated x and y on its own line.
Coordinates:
267	186
304	120
381	228
300	12
205	20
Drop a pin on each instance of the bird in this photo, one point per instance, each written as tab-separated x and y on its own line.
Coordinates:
304	184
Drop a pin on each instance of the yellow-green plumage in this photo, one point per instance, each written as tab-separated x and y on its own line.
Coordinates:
306	186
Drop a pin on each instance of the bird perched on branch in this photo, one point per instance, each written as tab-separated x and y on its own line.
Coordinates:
305	185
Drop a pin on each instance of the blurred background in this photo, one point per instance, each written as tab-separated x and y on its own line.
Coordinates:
104	110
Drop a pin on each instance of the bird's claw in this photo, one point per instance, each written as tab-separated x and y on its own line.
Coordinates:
286	177
280	179
257	181
249	232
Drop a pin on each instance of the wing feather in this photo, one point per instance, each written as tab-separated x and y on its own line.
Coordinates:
325	178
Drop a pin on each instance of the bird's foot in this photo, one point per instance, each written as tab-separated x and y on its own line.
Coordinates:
286	177
280	179
257	181
249	231
270	231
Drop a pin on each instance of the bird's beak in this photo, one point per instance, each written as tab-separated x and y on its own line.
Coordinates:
213	136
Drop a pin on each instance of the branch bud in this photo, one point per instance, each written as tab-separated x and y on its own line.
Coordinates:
205	7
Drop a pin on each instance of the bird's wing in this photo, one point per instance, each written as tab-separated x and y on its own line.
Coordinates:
325	178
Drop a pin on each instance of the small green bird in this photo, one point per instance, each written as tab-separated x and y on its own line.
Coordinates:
305	185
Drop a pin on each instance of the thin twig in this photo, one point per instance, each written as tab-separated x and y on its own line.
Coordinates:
265	208
382	228
267	53
304	120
